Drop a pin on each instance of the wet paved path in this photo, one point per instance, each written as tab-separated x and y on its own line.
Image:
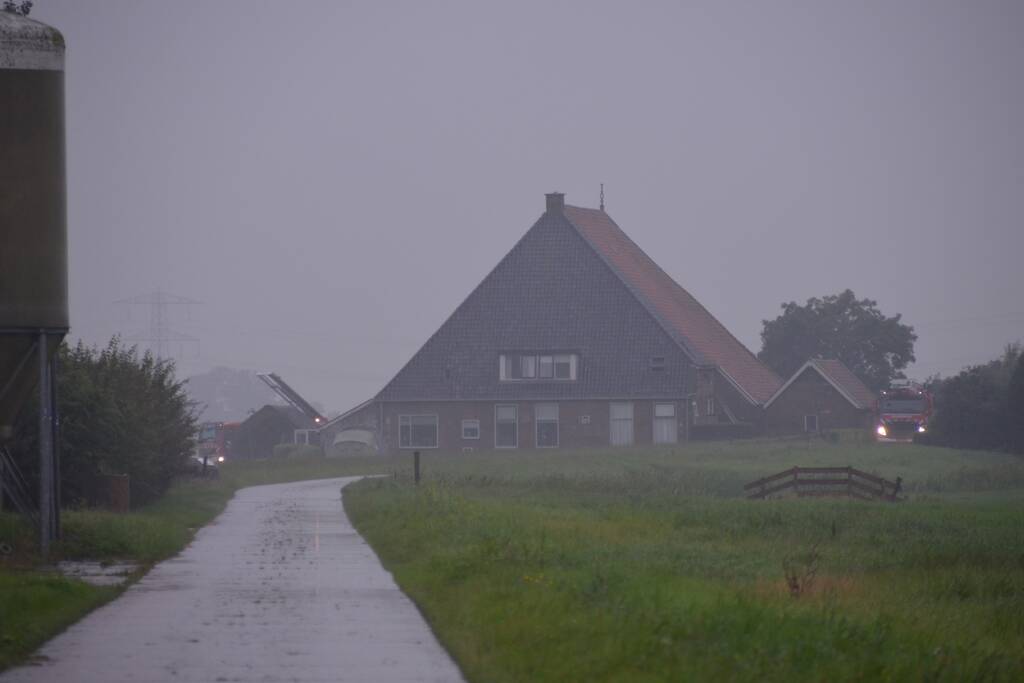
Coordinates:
279	588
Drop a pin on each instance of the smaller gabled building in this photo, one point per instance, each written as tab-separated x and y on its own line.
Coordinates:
821	396
271	426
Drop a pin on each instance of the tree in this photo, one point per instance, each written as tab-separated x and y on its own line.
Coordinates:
975	409
121	413
23	8
1015	406
875	347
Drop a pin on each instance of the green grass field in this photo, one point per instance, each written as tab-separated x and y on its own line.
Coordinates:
650	566
637	564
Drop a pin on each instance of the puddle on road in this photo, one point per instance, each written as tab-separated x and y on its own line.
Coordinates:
98	573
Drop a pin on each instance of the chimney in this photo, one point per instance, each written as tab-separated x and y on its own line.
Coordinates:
555	201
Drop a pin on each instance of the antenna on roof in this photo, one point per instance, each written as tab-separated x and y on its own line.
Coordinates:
602	196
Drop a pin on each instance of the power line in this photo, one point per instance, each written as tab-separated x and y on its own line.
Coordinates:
160	334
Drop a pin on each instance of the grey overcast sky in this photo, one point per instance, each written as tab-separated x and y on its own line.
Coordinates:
331	179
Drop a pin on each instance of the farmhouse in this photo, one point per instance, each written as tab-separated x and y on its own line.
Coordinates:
577	338
823	395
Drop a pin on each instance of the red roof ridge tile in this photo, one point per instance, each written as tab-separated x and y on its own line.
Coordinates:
686	320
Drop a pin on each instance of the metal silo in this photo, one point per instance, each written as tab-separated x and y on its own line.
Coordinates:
33	232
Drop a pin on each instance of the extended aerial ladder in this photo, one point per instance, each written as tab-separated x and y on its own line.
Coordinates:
291	397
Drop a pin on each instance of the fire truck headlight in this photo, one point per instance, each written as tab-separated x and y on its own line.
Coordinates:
882	431
921	429
220	458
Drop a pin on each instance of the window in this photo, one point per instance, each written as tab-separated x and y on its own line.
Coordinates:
810	423
621	415
666	429
471	429
546	418
417	431
657	363
518	366
711	407
506	427
306	436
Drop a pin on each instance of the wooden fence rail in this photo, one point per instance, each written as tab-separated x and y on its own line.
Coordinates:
826	481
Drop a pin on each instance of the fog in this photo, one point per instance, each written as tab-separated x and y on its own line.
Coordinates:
332	179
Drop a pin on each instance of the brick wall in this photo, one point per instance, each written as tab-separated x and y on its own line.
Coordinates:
581	424
710	384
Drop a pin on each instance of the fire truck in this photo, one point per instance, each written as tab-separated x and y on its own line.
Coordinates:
903	412
213	444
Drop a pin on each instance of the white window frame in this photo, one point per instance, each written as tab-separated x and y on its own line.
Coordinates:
514	407
537	421
304	435
816	425
632	422
567	360
437	431
469	422
533	367
674	417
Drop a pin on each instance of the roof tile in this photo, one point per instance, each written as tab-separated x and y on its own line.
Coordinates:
841	375
692	325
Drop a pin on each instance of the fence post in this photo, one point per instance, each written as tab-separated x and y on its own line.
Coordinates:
416	466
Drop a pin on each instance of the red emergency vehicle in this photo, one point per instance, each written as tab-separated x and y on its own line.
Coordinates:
213	444
903	412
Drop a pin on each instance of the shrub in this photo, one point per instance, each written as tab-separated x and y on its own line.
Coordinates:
978	408
121	413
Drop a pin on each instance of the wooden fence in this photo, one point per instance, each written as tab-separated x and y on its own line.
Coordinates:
826	481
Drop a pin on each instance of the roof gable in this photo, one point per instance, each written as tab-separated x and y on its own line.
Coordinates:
550	293
347	414
840	377
281	413
706	340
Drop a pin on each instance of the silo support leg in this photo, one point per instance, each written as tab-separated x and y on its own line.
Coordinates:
46	519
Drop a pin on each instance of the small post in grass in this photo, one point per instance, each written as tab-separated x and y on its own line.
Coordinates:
416	466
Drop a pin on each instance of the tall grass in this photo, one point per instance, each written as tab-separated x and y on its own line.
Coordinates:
648	565
33	607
